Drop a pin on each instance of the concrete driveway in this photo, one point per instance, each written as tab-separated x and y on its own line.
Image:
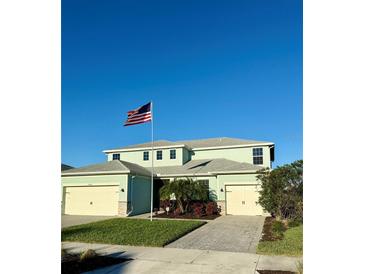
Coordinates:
71	220
226	233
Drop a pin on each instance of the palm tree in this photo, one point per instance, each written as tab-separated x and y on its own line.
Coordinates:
184	191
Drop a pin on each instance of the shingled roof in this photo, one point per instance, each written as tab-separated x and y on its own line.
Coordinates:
191	168
206	166
197	144
218	142
109	167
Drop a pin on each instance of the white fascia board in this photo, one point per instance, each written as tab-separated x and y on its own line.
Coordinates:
235	172
183	175
95	173
141	148
234	146
207	174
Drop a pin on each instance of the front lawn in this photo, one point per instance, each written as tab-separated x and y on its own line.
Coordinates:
290	245
122	231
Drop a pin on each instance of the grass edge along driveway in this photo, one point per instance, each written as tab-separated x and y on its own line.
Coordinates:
123	231
290	245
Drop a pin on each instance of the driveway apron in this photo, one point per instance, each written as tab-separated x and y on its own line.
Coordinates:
227	233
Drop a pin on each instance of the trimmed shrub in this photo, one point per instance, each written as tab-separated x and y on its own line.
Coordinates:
198	209
164	204
294	223
211	208
278	229
177	211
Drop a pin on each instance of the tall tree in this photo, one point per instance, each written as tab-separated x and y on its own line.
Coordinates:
281	191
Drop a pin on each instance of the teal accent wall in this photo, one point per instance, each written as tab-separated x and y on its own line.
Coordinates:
139	194
186	155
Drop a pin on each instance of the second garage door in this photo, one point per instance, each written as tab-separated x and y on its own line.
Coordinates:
243	200
95	200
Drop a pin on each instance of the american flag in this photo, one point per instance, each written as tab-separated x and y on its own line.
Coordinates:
140	115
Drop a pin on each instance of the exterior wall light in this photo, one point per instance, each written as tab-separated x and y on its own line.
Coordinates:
122	189
222	190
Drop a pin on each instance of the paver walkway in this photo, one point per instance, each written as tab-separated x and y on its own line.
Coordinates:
226	233
181	261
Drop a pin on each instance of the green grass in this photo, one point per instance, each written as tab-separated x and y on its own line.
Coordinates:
123	231
290	245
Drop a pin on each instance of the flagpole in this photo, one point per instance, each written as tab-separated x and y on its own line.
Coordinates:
152	160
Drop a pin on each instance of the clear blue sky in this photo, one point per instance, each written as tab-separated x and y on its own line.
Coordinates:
212	69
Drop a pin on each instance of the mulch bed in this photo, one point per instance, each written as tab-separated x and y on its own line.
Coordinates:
274	272
267	234
71	263
186	216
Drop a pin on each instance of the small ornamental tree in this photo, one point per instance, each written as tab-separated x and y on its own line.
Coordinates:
281	191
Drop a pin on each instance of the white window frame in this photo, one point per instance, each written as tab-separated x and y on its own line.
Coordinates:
256	157
173	150
148	155
157	153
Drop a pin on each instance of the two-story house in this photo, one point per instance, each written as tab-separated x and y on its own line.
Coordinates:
121	185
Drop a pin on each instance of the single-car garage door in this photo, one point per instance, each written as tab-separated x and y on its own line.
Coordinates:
94	200
243	200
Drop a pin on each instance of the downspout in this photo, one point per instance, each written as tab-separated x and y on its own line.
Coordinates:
130	212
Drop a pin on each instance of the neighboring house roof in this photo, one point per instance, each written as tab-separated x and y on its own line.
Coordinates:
65	167
206	167
195	144
110	167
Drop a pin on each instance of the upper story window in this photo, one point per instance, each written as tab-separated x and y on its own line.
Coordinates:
146	155
258	158
173	154
159	155
116	156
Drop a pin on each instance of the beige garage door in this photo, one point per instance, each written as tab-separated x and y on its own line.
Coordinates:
242	200
95	200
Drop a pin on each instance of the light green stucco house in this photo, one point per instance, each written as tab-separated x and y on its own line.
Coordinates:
121	185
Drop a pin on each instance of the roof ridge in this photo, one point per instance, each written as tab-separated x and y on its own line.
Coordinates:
120	162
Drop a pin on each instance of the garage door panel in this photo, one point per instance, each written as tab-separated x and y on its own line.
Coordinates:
96	200
243	200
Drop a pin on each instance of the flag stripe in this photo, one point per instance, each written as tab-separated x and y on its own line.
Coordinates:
138	116
139	119
137	122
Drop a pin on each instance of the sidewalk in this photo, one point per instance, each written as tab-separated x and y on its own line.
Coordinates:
173	260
